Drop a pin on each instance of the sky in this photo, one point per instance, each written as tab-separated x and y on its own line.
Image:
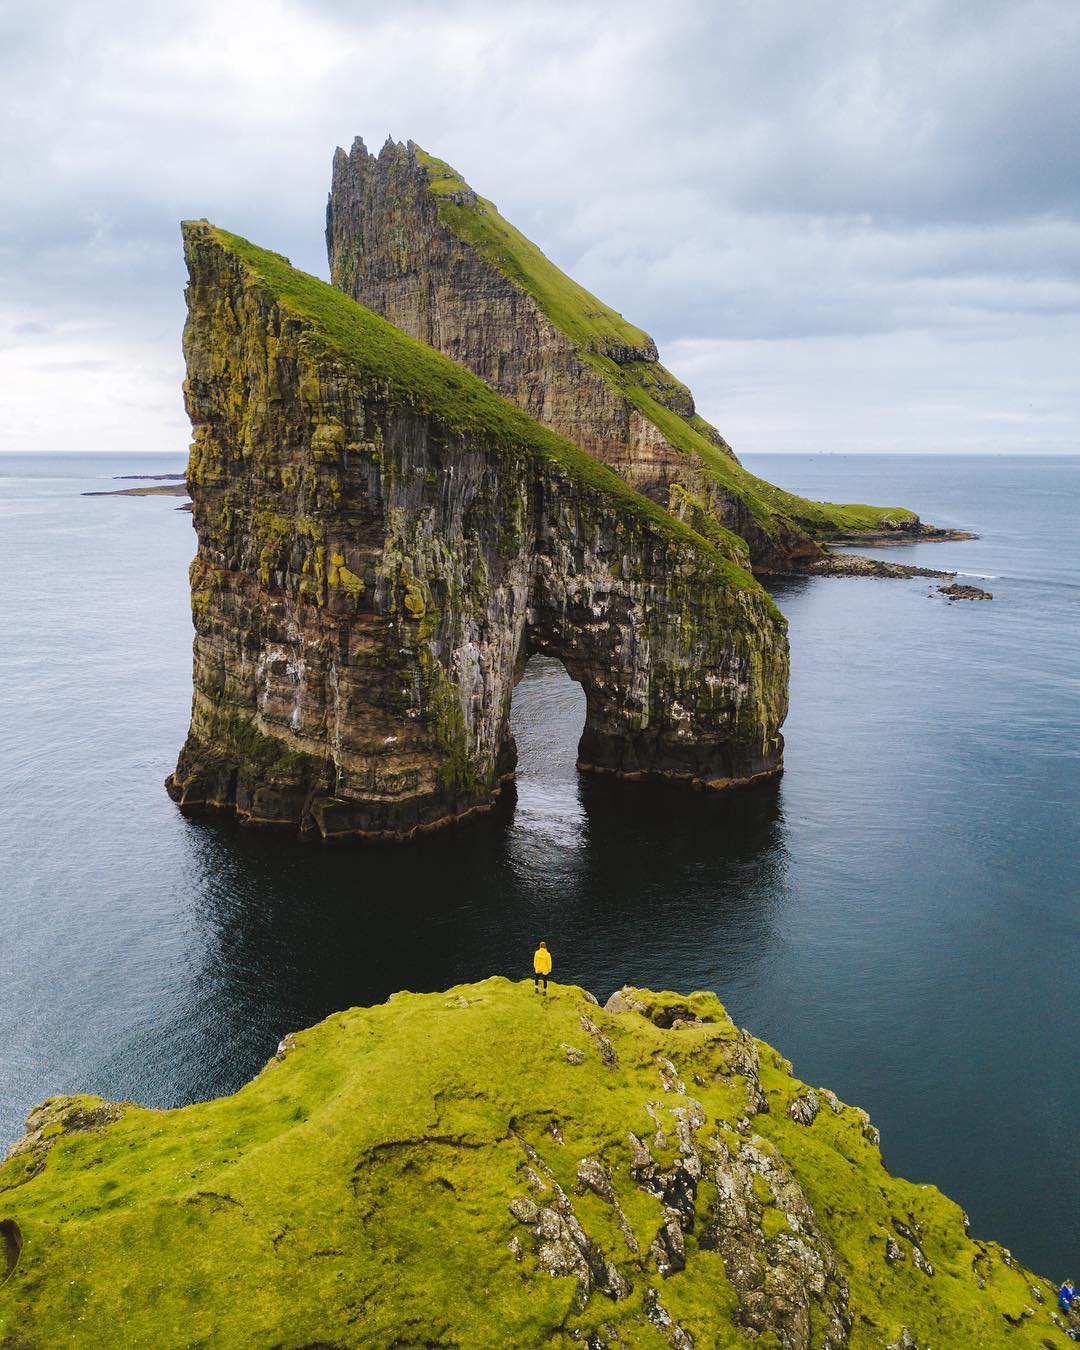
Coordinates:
850	226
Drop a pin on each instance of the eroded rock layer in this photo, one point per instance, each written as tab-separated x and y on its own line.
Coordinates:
489	1167
409	238
383	542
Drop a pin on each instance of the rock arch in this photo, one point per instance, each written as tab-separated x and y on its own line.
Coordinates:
383	542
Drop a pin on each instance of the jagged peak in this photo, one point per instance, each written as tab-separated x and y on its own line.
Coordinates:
358	151
393	151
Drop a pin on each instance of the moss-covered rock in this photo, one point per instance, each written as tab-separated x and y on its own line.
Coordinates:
490	1167
408	237
383	542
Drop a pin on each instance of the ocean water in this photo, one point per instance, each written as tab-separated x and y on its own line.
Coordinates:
899	915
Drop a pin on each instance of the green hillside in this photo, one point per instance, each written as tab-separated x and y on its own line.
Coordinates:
489	1167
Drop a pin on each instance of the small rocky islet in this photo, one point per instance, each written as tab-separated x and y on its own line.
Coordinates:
404	484
959	591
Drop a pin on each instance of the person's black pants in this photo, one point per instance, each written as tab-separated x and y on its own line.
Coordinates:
536	981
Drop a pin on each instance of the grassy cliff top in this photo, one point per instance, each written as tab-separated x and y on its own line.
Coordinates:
492	1167
415	375
592	325
594	328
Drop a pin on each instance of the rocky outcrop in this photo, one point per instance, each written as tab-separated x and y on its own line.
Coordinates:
957	591
391	249
383	542
437	1172
409	238
833	564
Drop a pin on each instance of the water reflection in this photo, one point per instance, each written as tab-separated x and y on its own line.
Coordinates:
548	816
634	882
900	916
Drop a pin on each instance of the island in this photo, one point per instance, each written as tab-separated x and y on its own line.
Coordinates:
410	239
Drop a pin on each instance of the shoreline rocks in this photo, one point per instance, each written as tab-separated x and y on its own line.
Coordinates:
159	490
854	565
959	591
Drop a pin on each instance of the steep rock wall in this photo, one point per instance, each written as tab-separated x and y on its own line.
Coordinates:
382	544
390	250
407	237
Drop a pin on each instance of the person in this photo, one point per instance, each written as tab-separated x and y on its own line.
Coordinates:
541	966
1066	1294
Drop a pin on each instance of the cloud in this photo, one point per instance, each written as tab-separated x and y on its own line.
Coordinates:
892	392
776	191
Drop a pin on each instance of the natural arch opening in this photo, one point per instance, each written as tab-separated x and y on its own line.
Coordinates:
547	717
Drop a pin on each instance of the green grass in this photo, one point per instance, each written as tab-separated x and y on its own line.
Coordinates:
411	374
768	504
237	735
594	328
592	325
358	1191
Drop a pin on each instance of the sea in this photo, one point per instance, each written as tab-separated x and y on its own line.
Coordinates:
900	914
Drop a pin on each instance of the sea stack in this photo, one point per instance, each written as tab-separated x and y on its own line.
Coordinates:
382	544
410	239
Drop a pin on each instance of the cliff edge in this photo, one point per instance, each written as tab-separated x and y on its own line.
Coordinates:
488	1167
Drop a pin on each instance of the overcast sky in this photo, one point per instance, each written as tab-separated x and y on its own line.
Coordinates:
850	225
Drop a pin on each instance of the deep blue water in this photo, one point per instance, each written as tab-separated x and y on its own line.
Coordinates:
899	915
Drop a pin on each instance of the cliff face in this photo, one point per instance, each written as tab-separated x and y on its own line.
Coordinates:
382	544
409	238
391	249
491	1168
